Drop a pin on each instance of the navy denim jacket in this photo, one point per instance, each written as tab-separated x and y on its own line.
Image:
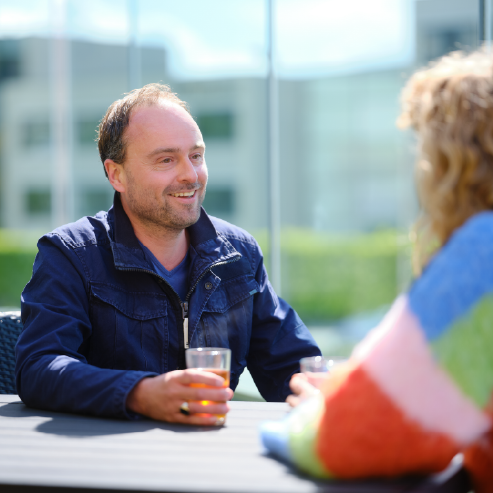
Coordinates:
97	318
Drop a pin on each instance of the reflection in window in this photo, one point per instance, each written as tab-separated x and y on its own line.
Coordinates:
216	125
36	134
95	199
38	201
219	201
87	131
439	41
9	58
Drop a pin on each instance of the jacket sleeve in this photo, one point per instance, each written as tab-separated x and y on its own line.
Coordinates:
51	370
279	340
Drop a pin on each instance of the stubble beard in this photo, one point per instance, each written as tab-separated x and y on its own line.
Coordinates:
163	217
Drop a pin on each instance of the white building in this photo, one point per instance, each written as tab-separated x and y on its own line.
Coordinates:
344	165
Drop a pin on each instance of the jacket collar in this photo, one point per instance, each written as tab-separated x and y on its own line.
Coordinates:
124	232
210	246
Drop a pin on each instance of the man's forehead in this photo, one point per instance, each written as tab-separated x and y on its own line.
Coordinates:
164	120
160	109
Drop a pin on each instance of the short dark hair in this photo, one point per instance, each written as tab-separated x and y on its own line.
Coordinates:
111	142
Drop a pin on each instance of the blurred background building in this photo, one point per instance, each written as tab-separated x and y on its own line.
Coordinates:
344	172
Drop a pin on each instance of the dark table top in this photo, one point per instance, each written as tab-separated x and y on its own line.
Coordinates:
47	451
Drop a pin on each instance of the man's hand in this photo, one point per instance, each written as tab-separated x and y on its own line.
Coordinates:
304	385
160	397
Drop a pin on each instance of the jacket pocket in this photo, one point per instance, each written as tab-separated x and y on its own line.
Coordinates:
227	318
230	293
129	329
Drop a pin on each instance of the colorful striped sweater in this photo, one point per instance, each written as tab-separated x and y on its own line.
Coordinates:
417	389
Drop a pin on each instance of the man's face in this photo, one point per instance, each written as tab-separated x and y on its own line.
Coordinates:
164	175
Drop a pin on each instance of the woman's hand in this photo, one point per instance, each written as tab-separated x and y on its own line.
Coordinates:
304	385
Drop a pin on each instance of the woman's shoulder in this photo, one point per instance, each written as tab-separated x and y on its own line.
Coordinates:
469	248
477	228
458	277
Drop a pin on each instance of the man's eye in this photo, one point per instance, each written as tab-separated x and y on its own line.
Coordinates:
197	156
166	160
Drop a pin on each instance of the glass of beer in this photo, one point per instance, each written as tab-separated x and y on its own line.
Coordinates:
214	359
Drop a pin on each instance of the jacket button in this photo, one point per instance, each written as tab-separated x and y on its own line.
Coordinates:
208	285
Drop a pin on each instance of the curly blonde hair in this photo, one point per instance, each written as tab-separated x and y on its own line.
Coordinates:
450	105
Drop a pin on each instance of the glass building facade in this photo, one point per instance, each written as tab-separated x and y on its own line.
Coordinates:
297	102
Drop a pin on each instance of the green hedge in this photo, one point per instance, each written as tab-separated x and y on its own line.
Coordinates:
324	277
17	252
327	277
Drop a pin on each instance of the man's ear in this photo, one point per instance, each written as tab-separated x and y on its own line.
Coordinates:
116	175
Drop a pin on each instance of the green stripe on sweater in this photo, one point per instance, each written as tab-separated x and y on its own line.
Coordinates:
465	349
303	430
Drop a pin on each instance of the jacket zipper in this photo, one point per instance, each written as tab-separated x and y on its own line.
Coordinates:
184	304
184	313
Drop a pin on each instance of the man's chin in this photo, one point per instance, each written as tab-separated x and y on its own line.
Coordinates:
183	221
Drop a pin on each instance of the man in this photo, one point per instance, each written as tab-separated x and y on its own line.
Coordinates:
116	299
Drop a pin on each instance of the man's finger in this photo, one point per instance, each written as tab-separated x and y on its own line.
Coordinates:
209	408
197	394
199	376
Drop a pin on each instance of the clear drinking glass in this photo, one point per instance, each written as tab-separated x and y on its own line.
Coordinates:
319	364
214	359
314	364
316	368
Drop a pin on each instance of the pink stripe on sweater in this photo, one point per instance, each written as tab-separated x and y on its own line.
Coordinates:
397	357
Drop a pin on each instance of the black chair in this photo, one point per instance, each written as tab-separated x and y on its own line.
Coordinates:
10	328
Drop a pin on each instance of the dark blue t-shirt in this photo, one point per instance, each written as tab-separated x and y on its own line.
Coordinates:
177	278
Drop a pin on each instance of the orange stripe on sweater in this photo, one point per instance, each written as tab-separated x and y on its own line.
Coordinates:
363	434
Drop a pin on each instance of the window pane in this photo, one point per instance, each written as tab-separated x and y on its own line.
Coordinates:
10	66
87	132
38	201
216	126
347	189
36	134
346	180
94	199
220	201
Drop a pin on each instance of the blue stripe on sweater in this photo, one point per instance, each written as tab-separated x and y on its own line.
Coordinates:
459	276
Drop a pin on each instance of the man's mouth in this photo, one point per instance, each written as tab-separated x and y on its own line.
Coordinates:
183	194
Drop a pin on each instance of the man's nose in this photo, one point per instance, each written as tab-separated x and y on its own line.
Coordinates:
187	172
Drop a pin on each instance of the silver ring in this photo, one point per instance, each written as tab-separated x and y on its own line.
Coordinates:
184	409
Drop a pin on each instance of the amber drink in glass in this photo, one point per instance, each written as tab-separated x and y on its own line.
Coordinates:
214	359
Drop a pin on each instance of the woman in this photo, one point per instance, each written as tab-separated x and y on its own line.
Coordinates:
417	390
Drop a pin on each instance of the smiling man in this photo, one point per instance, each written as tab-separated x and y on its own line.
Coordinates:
116	299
